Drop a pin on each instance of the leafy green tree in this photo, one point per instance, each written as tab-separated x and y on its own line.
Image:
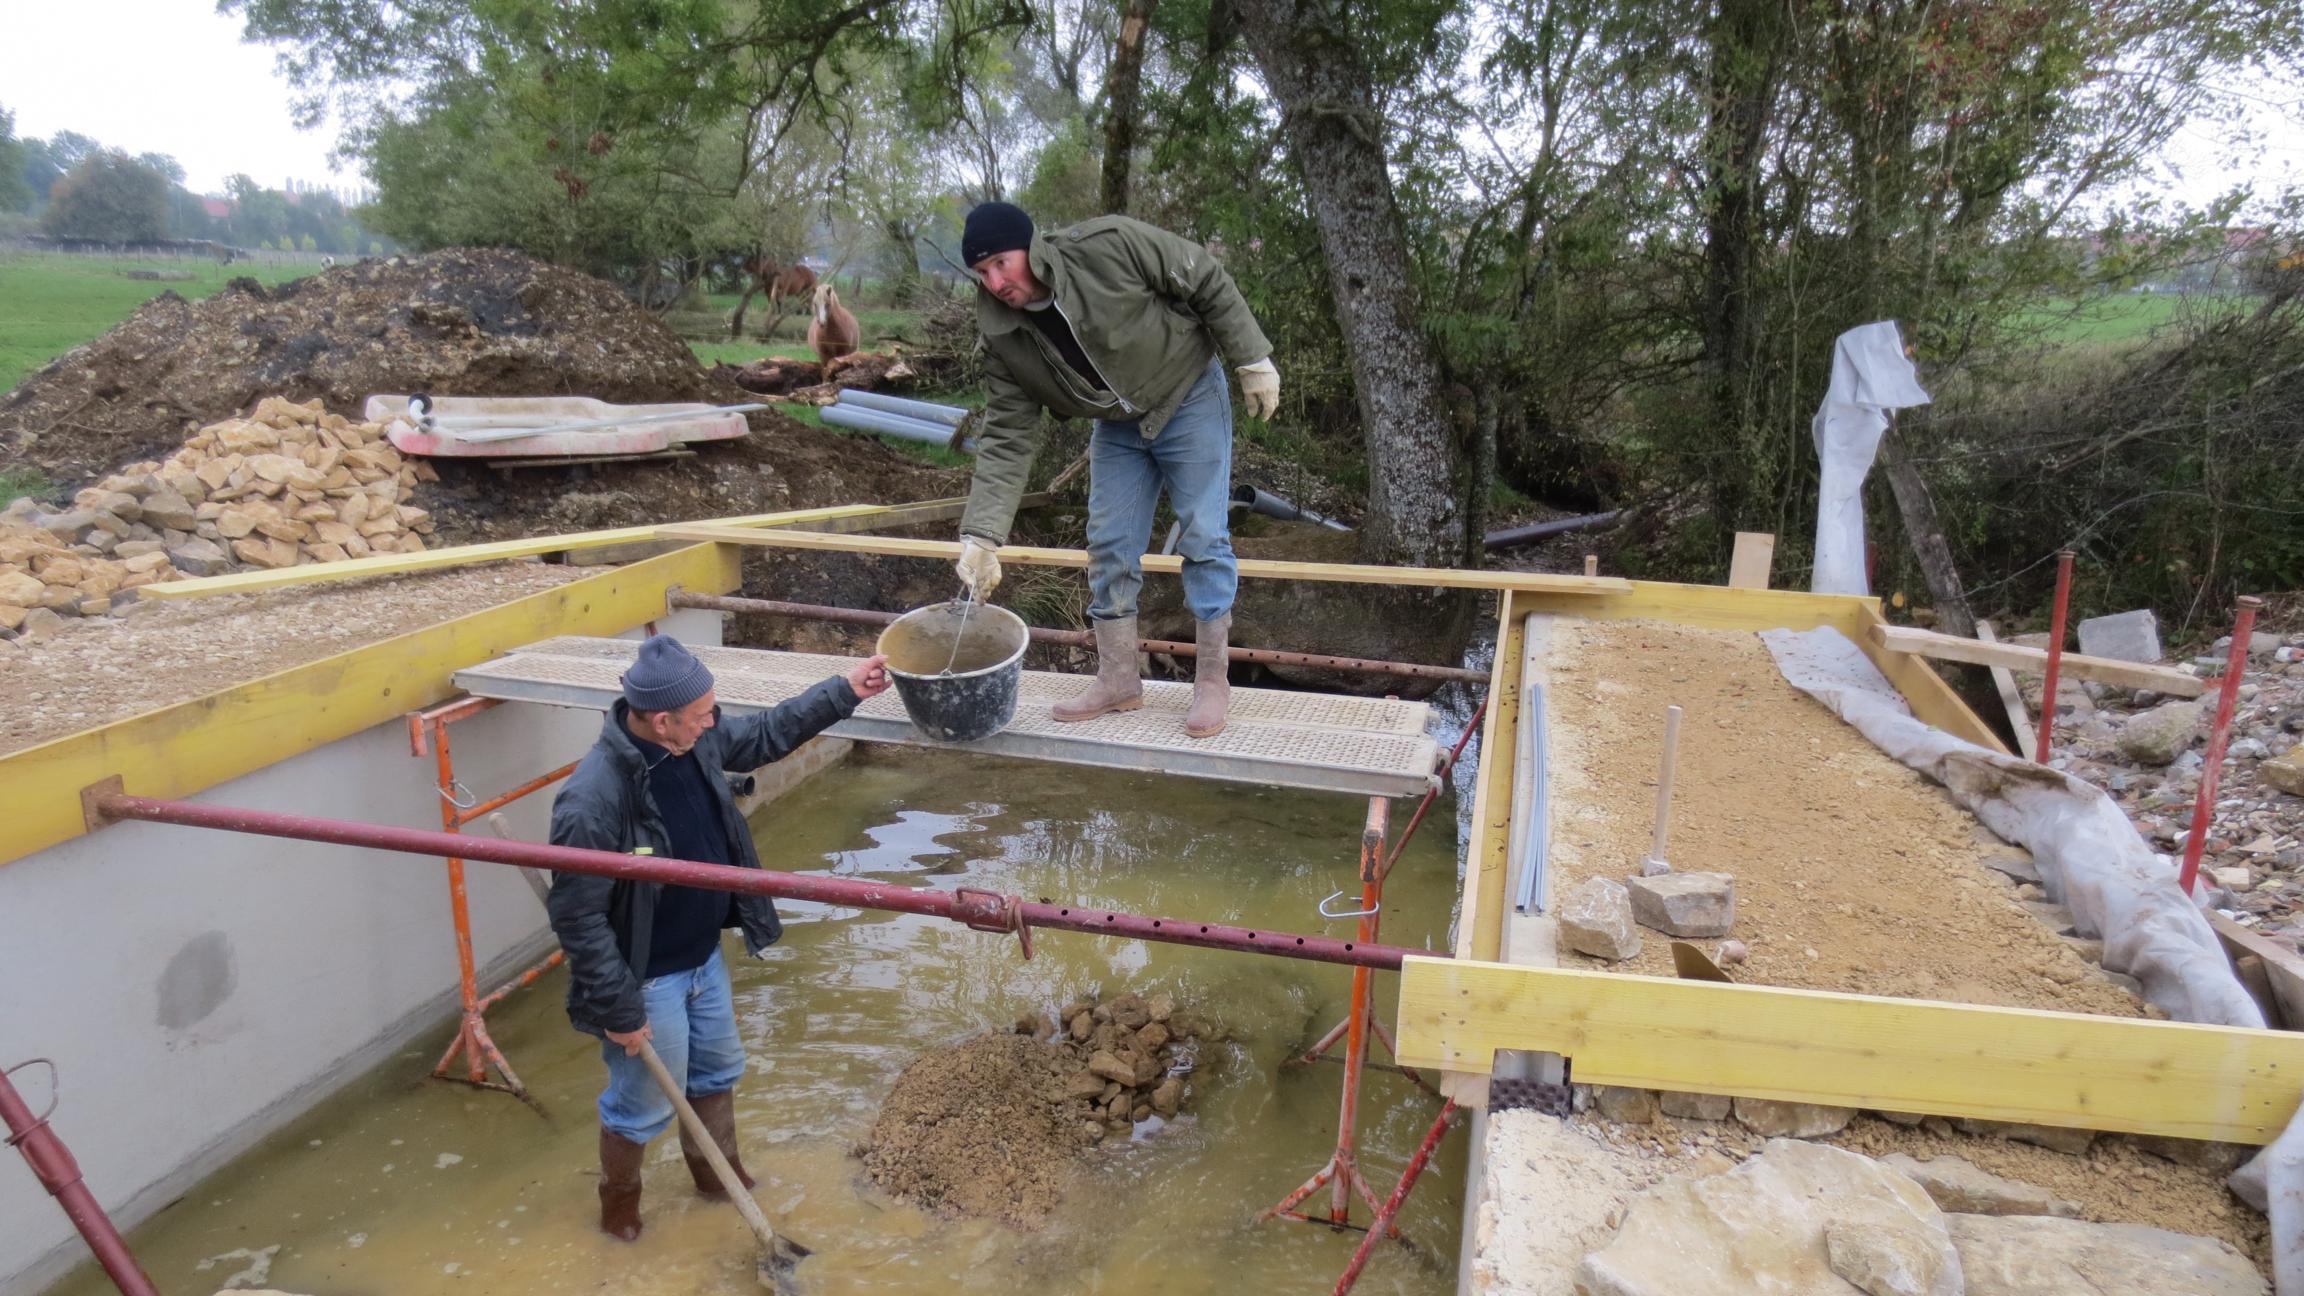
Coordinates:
111	196
15	190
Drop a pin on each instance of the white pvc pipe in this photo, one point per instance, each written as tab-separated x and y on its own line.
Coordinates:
925	411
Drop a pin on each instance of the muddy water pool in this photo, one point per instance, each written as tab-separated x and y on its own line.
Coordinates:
400	1184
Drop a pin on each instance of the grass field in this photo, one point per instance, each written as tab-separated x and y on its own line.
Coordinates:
2117	319
51	303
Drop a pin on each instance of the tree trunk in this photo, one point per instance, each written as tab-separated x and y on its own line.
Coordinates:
1123	88
1927	535
1415	514
1741	85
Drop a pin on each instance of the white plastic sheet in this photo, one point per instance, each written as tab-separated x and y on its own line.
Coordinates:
1871	375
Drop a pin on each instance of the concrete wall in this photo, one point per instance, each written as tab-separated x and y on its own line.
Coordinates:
197	989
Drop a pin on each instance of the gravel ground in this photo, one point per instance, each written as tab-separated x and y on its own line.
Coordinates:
93	672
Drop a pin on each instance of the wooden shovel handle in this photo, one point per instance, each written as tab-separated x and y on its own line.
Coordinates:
735	1187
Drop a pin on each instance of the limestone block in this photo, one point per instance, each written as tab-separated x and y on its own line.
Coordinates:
1629	1106
2158	736
1886	1260
41	622
166	508
1955	1185
19	588
1596	919
1763	1227
326	552
1685	904
1696	1106
216	474
285	528
2284	773
273	468
2041	1256
234	523
118	503
2056	1138
1773	1119
246	437
354	510
12	616
198	557
2128	636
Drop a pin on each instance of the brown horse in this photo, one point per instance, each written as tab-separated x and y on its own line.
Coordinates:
832	330
781	284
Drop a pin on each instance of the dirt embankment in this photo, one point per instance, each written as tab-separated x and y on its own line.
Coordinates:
465	322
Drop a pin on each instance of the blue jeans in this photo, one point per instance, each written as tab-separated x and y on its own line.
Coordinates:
693	1019
1192	459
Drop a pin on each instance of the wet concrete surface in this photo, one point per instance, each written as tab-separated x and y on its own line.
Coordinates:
400	1184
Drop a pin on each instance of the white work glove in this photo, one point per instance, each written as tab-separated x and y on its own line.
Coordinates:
1260	388
979	566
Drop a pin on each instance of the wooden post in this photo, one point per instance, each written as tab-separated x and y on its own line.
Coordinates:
1591	564
2011	698
1755	554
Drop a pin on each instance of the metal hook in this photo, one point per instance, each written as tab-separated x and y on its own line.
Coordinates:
1326	912
468	799
55	1095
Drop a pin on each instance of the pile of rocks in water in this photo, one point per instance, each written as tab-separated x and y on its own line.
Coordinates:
1133	1053
286	485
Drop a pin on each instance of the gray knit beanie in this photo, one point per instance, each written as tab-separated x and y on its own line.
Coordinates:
665	676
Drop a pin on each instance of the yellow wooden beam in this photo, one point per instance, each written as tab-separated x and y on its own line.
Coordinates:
2008	1064
397	564
182	749
2109	670
1025	555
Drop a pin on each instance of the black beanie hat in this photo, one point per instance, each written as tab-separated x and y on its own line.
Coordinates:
993	228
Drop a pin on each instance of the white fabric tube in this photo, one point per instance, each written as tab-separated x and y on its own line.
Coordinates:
1871	375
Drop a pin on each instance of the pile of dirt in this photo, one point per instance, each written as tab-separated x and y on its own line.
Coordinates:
470	322
994	1127
462	322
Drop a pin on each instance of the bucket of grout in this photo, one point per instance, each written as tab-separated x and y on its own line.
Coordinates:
957	667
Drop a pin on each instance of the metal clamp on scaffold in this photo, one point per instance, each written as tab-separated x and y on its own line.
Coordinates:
990	911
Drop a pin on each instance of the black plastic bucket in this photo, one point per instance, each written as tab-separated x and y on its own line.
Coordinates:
978	697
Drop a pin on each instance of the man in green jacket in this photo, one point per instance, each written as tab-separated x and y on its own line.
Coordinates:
1116	321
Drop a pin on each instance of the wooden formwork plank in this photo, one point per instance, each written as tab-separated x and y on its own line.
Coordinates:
398	564
2108	670
2011	700
1487	857
179	750
1748	566
1026	555
2123	1074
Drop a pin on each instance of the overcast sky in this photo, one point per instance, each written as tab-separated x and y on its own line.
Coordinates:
177	80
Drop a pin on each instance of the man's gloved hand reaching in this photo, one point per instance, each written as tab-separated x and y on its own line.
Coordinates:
979	566
1260	388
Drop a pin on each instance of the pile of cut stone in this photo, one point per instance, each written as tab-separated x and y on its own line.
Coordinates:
286	485
1128	1048
2148	751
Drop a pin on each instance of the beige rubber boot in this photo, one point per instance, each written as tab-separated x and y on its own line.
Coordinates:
1211	678
1119	682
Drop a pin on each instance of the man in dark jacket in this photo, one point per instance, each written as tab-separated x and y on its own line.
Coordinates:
644	958
1116	321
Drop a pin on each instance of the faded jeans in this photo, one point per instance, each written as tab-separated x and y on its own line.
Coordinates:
1192	460
693	1018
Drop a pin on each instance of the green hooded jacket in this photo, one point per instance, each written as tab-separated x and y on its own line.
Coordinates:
1148	307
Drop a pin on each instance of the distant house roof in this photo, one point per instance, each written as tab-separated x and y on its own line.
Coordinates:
218	208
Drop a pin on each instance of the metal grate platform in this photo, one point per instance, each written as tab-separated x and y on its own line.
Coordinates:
1363	746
